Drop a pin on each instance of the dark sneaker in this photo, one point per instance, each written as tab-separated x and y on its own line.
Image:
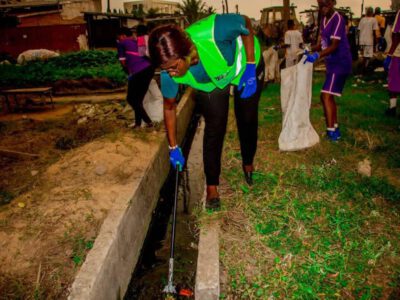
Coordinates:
134	126
391	112
338	133
332	136
213	204
248	176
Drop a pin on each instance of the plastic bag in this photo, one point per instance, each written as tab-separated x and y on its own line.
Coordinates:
271	61
153	102
35	54
296	91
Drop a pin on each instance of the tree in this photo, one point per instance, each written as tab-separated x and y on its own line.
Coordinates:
193	9
152	13
139	12
210	10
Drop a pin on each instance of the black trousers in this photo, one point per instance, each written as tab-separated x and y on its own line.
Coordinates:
138	84
214	107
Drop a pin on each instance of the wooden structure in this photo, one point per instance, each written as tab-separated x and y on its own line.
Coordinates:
102	27
42	92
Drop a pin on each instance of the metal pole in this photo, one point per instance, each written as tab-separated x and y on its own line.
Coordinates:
286	12
362	8
170	288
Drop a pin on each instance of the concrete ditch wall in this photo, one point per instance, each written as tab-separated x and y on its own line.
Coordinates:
108	267
207	272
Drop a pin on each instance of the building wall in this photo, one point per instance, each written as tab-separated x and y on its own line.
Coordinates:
70	8
62	38
73	9
51	18
166	7
133	5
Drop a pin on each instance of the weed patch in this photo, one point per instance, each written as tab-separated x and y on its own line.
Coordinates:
328	232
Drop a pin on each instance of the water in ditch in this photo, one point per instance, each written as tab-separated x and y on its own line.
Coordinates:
151	273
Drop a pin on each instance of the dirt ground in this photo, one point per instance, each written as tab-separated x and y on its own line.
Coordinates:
67	169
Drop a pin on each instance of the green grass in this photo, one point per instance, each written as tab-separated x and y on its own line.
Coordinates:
311	227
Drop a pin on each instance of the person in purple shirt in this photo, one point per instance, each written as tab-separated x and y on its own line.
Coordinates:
140	72
334	46
392	66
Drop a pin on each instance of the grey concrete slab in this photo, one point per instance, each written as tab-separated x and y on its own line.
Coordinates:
108	267
195	165
207	275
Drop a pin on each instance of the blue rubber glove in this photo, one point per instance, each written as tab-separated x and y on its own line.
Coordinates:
311	58
248	81
176	158
386	63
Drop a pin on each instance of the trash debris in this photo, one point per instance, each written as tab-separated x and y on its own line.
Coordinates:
100	170
21	204
35	54
364	168
95	112
82	120
185	293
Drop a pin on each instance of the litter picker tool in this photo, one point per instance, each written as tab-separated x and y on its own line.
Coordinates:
170	288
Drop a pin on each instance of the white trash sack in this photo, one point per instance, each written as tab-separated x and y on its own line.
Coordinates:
153	102
35	54
296	91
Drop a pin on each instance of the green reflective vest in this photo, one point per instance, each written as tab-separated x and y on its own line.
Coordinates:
202	35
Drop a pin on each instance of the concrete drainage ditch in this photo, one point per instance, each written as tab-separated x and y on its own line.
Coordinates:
107	271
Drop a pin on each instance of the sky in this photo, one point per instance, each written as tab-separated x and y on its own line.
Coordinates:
252	8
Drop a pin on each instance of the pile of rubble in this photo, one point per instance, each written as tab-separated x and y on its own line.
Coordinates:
98	112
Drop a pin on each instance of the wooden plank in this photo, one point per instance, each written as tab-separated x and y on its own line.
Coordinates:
27	90
13	153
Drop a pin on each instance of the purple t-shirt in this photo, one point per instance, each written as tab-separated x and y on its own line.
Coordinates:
128	50
335	28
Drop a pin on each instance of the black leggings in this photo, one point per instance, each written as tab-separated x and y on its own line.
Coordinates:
138	84
215	107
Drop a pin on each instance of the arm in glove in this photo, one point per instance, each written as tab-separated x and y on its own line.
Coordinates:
176	158
311	58
386	63
248	81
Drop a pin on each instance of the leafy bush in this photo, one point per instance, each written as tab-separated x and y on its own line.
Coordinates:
84	59
76	65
